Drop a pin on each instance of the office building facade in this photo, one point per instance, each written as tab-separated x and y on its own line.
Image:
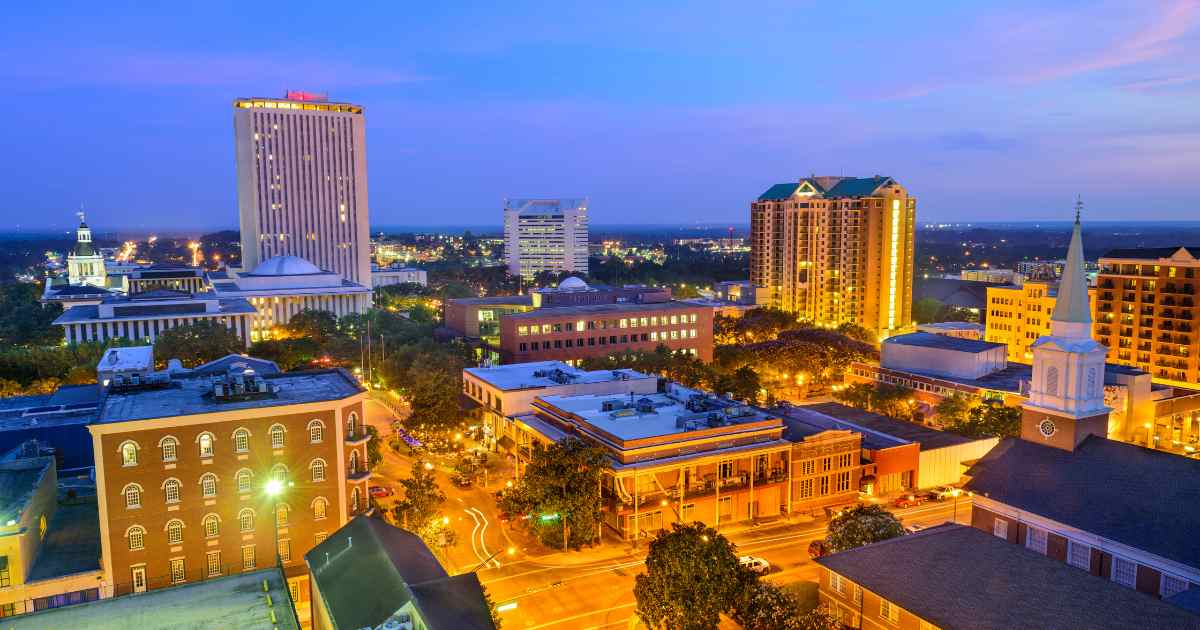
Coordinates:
545	235
1017	316
836	249
302	182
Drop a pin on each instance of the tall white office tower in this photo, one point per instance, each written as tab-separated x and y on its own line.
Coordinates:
302	182
545	235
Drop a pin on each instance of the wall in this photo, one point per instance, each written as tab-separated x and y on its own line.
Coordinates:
944	466
941	361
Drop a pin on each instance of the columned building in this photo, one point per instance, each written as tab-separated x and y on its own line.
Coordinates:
145	316
545	235
85	265
302	182
834	250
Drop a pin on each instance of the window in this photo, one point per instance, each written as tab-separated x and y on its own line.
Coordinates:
1000	528
212	526
806	488
285	550
1052	381
169	447
888	610
281	515
1172	585
177	573
841	482
354	500
837	583
318	469
279	472
171	490
208	485
808	467
318	507
246	520
1124	572
5	576
244	477
129	454
133	496
1035	540
725	469
174	532
241	440
316	432
1079	555
351	424
353	468
276	432
248	558
320	537
137	537
205	440
212	562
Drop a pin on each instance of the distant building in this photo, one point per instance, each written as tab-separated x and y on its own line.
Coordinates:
369	574
742	292
952	576
573	291
479	318
146	315
961	330
837	249
283	286
545	235
394	274
950	292
1006	276
302	182
571	333
1018	315
85	264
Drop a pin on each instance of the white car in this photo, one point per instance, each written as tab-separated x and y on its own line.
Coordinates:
914	528
755	565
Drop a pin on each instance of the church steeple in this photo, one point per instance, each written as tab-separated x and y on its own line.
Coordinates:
1072	311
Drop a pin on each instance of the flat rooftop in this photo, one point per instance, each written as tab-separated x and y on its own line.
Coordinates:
189	396
1010	378
637	417
135	358
154	309
19	479
878	431
541	374
955	576
514	300
942	342
236	601
952	326
620	307
72	543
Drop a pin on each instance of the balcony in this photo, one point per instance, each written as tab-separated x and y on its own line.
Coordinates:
357	438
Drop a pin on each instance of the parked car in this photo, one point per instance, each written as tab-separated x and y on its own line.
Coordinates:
462	481
914	528
909	500
381	491
756	565
942	493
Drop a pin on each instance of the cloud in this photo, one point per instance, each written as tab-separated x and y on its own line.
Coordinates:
972	140
156	69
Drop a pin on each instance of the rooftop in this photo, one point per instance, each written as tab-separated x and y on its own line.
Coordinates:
127	308
193	395
1151	253
236	601
1010	378
541	374
942	342
72	543
828	187
952	326
19	480
878	431
1136	496
955	576
621	307
516	300
545	206
124	359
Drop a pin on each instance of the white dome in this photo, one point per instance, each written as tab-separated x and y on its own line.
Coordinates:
573	283
285	266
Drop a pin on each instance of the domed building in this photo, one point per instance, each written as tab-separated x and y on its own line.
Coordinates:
85	265
282	286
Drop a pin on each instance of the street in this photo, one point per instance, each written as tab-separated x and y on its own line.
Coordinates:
542	588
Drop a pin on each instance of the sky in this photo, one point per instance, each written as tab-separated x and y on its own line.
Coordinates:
659	112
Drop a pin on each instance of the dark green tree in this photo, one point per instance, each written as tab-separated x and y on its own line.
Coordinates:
990	419
319	326
692	577
288	354
862	525
561	490
197	343
422	499
764	606
857	395
925	310
952	409
374	447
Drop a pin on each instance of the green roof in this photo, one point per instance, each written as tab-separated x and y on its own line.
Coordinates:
857	186
779	192
84	249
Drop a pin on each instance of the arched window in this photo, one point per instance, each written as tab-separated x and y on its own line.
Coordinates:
137	537
351	425
319	506
1052	381
169	446
174	531
171	490
133	496
354	499
279	472
212	526
129	453
316	432
277	432
246	520
317	466
241	440
281	515
205	440
208	485
353	463
244	478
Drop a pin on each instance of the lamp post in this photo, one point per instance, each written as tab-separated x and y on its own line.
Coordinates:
954	493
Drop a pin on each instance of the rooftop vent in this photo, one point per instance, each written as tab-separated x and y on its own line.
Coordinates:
240	382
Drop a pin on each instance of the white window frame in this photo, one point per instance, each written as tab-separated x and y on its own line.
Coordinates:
212	445
248	476
277	431
241	440
169	442
1075	547
1000	528
167	528
212	569
316	432
167	486
1176	585
137	537
127	461
178	571
215	521
889	611
1036	539
1116	574
205	490
317	468
133	496
242	515
320	509
249	561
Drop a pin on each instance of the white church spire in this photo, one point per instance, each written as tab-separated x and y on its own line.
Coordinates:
1072	310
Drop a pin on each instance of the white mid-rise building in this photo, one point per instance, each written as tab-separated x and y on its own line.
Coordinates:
302	182
546	235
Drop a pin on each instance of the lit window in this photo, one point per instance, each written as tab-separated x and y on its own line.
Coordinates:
212	526
133	496
351	425
354	500
1035	540
241	440
177	572
285	550
277	432
279	473
208	485
206	444
319	506
246	520
1000	528
171	490
213	563
175	532
244	477
316	432
129	454
137	538
318	469
168	446
889	611
281	515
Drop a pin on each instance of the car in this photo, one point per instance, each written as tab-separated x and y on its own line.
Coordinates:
909	500
942	493
914	528
817	548
756	565
462	481
381	491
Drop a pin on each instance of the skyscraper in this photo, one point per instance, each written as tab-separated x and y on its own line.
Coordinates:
302	182
545	235
836	249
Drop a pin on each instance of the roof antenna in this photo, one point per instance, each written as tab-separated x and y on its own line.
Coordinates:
1078	207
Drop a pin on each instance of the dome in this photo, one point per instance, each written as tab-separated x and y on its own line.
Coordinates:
285	266
572	284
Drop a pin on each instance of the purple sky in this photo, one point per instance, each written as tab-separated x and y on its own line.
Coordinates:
660	112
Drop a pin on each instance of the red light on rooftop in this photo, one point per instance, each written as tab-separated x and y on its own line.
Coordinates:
300	95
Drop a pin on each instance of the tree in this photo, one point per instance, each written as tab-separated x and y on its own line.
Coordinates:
374	448
857	395
925	310
692	577
197	343
953	408
10	387
743	384
561	489
288	354
319	326
764	606
989	419
422	499
862	525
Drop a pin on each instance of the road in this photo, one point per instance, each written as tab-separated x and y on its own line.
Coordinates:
537	588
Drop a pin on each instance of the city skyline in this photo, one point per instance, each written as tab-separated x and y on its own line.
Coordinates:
1002	113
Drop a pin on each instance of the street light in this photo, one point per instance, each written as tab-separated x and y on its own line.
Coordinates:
954	493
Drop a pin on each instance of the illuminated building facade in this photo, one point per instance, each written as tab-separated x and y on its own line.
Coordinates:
1018	315
545	235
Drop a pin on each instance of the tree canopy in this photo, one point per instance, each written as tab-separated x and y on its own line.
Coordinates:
861	525
988	419
561	491
197	343
692	577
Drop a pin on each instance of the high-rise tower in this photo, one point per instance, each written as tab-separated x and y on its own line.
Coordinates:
545	235
1066	394
302	182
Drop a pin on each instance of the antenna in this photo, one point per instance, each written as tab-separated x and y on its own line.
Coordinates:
1078	207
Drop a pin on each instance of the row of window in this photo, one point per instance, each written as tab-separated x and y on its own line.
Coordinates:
628	322
172	487
821	486
888	611
675	335
810	466
169	445
135	535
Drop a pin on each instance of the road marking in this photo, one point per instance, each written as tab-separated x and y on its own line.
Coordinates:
580	616
474	547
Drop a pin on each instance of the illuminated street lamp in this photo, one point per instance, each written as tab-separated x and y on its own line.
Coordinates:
954	493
